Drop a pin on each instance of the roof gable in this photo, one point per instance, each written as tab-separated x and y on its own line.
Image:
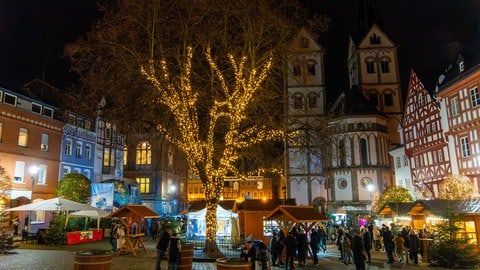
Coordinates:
134	210
375	38
304	42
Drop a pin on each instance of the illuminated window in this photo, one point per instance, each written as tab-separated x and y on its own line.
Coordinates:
125	155
144	183
467	231
440	155
23	137
44	144
144	154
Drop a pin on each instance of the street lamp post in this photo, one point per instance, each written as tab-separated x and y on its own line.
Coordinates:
33	172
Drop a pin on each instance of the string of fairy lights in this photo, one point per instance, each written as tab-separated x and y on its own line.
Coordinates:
181	99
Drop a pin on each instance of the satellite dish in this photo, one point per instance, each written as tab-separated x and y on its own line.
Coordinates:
441	79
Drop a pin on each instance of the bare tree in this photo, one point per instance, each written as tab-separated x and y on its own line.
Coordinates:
220	106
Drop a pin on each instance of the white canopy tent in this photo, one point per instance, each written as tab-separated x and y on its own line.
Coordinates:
97	213
55	204
227	222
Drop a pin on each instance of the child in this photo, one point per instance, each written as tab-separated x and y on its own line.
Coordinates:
347	246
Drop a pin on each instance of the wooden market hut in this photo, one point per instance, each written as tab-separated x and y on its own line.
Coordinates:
399	213
251	213
287	216
426	213
133	217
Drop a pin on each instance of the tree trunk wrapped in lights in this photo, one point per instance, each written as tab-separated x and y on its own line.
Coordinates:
212	153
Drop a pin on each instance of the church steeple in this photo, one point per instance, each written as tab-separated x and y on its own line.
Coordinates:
367	16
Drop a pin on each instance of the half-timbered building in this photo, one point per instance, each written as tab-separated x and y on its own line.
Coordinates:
425	144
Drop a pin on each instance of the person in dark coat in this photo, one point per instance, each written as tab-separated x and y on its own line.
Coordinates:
358	249
388	244
367	243
314	243
174	252
302	247
162	247
275	248
249	253
290	248
414	245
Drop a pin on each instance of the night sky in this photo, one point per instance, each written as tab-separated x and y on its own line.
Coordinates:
33	32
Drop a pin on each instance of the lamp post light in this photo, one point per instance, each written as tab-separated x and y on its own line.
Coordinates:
33	172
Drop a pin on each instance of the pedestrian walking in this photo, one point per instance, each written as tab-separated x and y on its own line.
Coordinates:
358	250
290	248
414	245
275	248
16	225
388	244
302	247
162	246
339	241
314	244
174	251
113	236
347	250
367	242
399	247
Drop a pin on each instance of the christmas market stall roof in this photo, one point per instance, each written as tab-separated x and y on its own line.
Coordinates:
198	205
440	207
287	216
399	209
134	210
262	205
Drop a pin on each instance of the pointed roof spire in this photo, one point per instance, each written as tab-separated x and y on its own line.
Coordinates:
367	16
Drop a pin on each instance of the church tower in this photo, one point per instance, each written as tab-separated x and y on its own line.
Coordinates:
373	67
305	109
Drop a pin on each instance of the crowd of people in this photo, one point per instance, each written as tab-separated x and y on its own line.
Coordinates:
400	244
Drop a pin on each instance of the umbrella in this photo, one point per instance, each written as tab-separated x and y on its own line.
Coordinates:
55	204
97	213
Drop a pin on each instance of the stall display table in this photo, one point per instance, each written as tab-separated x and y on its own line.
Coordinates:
84	236
133	242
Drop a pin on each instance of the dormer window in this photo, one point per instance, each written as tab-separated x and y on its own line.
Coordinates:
461	66
36	108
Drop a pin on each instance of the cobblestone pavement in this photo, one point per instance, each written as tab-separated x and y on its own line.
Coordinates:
32	257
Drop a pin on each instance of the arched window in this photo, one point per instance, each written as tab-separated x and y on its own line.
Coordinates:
68	147
298	101
311	66
363	153
341	153
312	100
144	154
373	97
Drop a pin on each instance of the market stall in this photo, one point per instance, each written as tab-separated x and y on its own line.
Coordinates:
133	217
87	235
